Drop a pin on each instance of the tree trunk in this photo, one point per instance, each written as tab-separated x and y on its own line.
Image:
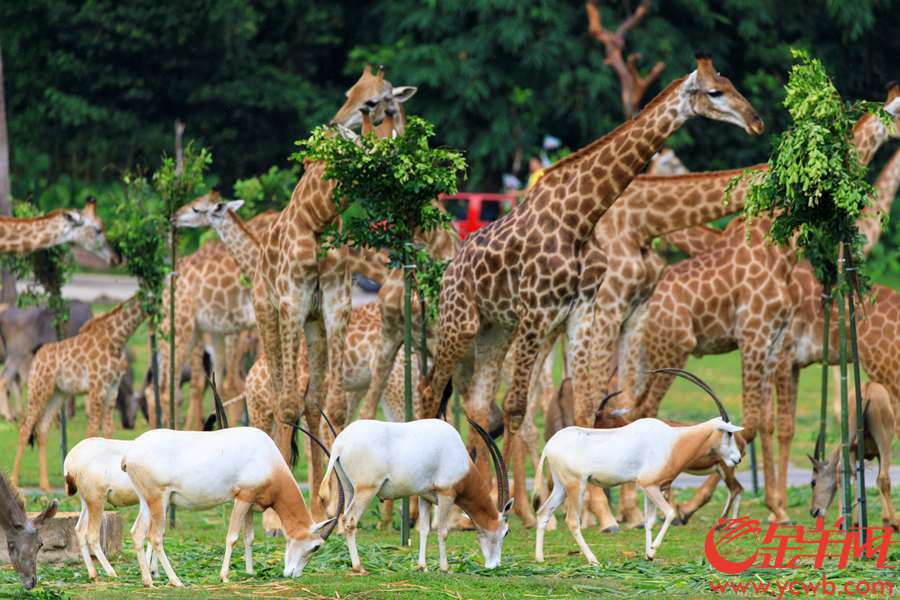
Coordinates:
8	292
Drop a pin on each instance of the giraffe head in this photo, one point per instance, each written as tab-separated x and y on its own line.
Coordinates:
206	211
85	228
709	94
372	94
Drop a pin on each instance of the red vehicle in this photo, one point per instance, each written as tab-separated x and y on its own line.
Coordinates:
474	210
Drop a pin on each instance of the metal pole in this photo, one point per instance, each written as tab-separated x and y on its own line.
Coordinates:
846	489
173	239
154	373
860	418
754	477
826	335
407	380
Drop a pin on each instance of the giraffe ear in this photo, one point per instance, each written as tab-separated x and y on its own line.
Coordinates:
234	205
404	92
73	217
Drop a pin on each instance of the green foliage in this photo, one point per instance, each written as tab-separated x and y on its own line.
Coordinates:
139	233
46	271
815	187
176	188
268	191
391	183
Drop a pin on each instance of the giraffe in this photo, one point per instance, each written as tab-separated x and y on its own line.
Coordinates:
61	226
739	294
211	298
290	278
514	281
91	363
805	336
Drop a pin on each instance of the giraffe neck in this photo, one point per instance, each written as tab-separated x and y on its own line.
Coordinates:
28	235
239	241
595	175
655	205
311	202
122	322
868	136
885	190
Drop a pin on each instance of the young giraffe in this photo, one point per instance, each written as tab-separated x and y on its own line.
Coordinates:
738	295
519	276
90	363
290	278
82	227
212	299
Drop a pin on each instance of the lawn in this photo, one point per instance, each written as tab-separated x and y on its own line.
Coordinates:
195	545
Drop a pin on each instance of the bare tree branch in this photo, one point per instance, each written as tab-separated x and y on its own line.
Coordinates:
633	85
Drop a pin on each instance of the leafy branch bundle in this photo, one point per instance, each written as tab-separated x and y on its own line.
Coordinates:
387	186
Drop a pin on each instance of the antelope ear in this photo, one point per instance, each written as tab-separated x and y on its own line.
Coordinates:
404	92
317	528
47	514
729	427
508	507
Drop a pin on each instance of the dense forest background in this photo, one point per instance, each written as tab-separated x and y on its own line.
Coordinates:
93	87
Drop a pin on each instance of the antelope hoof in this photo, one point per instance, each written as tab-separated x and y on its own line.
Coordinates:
359	570
421	567
611	529
593	562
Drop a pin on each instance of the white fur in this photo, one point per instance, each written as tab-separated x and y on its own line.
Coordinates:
643	451
426	458
94	467
199	470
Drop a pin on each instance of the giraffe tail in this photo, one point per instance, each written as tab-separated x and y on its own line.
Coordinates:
541	491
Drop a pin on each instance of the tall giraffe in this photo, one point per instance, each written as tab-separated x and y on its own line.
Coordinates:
738	295
61	226
519	276
290	278
210	299
91	363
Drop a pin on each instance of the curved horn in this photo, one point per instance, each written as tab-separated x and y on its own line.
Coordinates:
699	383
340	507
604	402
311	437
221	417
328	421
499	464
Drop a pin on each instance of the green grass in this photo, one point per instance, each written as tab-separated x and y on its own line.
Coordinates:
195	545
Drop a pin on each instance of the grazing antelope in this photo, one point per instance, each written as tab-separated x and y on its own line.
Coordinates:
704	465
647	452
878	437
425	458
198	470
22	538
93	470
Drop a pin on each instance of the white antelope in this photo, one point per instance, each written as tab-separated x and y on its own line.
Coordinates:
424	458
202	469
647	452
93	470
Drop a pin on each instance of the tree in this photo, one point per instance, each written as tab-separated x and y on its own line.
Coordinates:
8	292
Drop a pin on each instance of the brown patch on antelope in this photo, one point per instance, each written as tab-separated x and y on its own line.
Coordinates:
692	443
473	495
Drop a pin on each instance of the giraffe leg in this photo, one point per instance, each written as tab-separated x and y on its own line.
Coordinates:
109	407
757	399
383	361
685	510
786	380
94	408
57	402
317	369
197	383
490	350
458	327
292	316
41	398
